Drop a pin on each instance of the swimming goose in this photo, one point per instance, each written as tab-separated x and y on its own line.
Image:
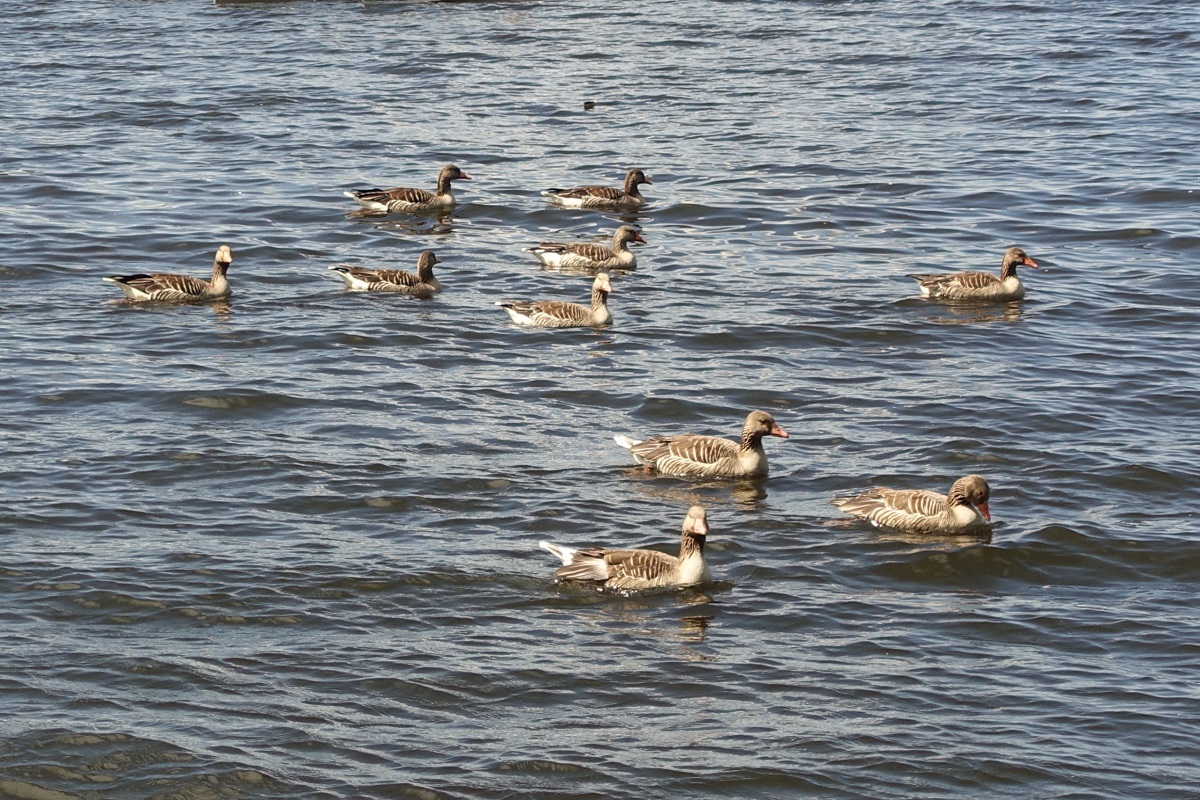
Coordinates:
639	569
421	283
964	512
698	456
558	314
412	201
979	285
585	256
602	198
169	288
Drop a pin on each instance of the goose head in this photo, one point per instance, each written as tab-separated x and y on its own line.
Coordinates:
425	264
636	176
223	258
760	424
602	283
450	172
695	524
1015	257
971	490
626	234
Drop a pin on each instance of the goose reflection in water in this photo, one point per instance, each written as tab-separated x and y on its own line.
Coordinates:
974	314
745	494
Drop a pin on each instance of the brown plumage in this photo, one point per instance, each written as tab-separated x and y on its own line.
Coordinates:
640	569
962	512
602	198
589	257
699	456
979	286
412	201
172	288
422	283
559	314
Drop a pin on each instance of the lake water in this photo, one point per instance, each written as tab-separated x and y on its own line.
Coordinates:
286	546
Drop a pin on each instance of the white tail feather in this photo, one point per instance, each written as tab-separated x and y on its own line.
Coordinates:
563	554
626	442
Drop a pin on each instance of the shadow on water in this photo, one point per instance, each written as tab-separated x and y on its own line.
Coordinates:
745	495
222	307
963	313
1055	555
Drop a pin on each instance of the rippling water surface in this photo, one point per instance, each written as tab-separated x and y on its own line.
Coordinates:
286	545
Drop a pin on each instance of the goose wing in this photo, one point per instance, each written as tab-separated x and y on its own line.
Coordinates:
639	569
395	277
601	192
552	313
957	280
688	453
165	286
907	509
386	196
592	252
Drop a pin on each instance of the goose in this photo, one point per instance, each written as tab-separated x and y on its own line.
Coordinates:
602	198
585	256
698	456
558	314
964	512
639	569
412	201
979	285
421	283
169	288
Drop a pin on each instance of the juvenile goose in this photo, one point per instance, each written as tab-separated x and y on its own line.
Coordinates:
169	288
639	569
964	512
602	198
979	285
412	201
558	314
421	283
585	256
699	456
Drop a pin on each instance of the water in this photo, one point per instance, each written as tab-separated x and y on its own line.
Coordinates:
286	546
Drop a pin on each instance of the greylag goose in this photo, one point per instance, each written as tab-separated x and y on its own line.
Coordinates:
979	286
585	256
421	283
964	512
602	198
558	314
412	201
169	288
698	456
639	569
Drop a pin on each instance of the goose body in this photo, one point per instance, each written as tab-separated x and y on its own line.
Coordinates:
421	283
962	512
171	288
559	314
589	257
602	198
412	201
978	286
699	456
639	569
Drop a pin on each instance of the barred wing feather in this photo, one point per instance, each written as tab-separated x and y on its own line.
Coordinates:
167	287
592	252
904	509
553	313
688	454
599	192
